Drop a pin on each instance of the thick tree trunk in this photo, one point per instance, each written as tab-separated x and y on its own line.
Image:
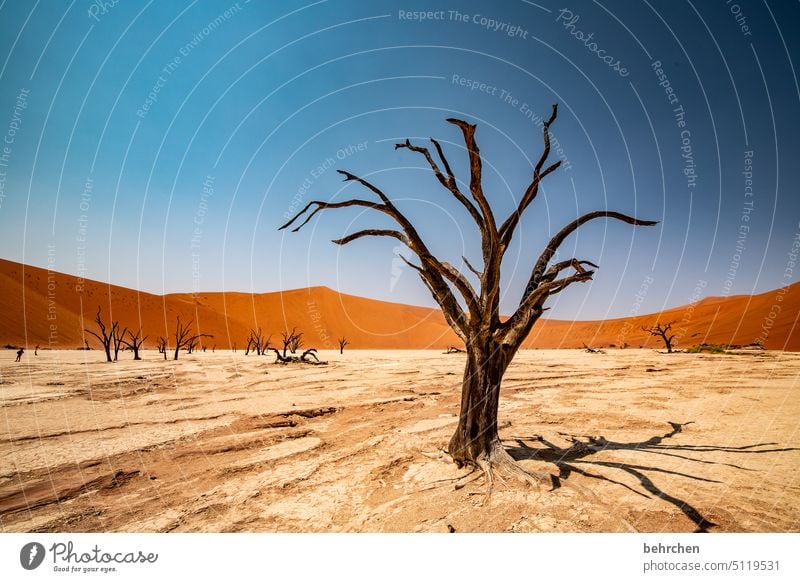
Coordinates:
476	441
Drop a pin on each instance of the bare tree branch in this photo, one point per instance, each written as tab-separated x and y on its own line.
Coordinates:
448	182
510	224
330	205
372	232
435	269
471	268
515	328
555	242
476	175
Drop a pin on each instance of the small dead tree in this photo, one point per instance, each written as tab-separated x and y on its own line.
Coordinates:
105	336
135	342
117	335
296	342
304	358
184	336
591	350
343	341
662	331
291	341
474	313
257	342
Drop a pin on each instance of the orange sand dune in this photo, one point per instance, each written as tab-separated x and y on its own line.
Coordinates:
52	309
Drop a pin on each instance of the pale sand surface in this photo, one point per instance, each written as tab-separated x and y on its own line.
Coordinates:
224	442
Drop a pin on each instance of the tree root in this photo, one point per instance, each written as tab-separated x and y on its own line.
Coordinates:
499	466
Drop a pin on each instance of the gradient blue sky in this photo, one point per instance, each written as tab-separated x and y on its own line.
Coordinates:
263	100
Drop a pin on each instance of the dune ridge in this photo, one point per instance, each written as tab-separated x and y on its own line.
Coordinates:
52	309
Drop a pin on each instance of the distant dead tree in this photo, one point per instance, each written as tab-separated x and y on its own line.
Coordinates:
304	358
291	341
662	331
256	342
296	342
453	350
36	350
592	350
135	342
105	336
161	344
117	337
474	315
343	341
184	336
190	347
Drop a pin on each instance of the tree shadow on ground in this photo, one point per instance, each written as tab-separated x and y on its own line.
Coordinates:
584	447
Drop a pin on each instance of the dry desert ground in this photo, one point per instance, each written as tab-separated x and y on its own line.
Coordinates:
227	442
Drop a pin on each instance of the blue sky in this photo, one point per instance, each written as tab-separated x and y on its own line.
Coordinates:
159	146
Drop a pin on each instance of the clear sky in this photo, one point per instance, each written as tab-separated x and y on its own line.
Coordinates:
159	145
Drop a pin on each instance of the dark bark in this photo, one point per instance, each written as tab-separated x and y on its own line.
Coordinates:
476	439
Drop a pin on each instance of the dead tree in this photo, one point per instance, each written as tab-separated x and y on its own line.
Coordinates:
257	342
117	336
453	350
474	314
105	336
135	343
291	341
662	331
296	342
343	341
304	358
184	336
592	350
